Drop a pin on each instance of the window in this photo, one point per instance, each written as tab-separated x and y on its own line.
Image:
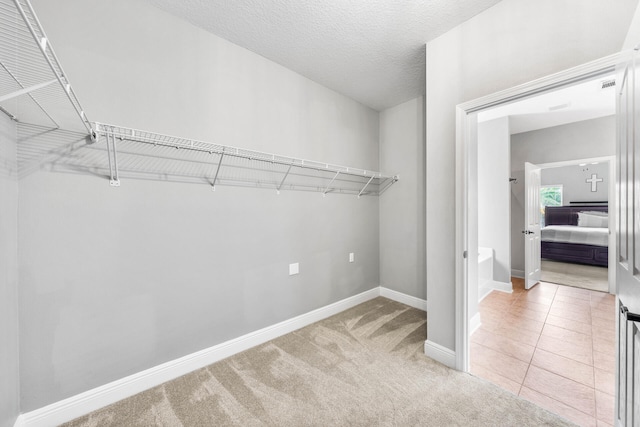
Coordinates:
550	195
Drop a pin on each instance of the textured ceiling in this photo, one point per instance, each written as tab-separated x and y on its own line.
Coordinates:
369	50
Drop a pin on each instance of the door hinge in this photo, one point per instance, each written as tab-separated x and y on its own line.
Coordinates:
464	254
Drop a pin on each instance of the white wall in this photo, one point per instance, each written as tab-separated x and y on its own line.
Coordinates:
574	186
580	140
493	194
514	42
117	280
9	378
402	207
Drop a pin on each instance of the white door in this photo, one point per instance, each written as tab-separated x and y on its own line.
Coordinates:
628	247
531	233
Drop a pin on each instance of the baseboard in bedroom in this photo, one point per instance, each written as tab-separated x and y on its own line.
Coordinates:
91	400
474	323
517	273
409	300
441	354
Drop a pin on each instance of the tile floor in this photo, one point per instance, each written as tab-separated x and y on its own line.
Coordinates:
553	345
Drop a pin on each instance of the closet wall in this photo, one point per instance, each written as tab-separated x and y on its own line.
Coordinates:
118	280
402	211
9	379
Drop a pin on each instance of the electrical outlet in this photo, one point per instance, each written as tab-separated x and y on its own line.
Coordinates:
351	257
294	269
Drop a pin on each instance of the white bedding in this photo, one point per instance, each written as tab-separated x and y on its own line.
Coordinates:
574	234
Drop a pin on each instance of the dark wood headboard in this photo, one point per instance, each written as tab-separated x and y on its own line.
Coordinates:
568	215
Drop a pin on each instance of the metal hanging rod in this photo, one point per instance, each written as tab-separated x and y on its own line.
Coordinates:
278	164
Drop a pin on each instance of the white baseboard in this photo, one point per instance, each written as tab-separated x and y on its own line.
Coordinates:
483	292
441	354
493	285
502	286
474	323
517	273
91	400
409	300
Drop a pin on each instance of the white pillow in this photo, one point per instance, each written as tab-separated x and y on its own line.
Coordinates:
596	213
590	220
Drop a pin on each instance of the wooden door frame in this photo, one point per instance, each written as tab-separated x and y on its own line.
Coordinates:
466	140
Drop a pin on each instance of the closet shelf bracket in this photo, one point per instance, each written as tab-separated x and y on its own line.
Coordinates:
112	153
215	178
326	190
26	90
283	178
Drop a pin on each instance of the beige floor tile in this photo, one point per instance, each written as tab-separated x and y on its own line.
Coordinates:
564	367
490	314
603	333
604	344
584	317
494	305
576	293
605	407
497	297
566	335
605	381
508	346
514	321
605	361
570	299
572	325
606	313
546	287
532	305
489	324
601	323
557	407
528	314
495	378
567	391
577	352
603	303
501	364
537	298
517	334
479	335
576	306
553	344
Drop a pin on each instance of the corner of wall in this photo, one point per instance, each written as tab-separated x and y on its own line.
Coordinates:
440	354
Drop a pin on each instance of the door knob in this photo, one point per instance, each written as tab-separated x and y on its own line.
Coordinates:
527	232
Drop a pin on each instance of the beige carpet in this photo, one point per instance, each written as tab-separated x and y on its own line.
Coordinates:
362	367
576	275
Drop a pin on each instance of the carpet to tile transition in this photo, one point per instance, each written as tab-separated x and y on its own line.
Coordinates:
362	367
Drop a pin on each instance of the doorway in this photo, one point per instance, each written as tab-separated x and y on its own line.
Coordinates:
530	310
586	185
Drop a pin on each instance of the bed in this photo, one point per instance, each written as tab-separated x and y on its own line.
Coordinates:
564	240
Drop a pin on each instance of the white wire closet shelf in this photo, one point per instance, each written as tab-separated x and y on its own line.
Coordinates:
36	93
132	152
34	88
